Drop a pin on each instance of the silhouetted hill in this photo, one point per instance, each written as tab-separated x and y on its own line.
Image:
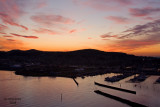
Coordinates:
78	57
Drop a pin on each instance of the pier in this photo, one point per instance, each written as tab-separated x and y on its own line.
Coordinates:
115	88
133	104
75	81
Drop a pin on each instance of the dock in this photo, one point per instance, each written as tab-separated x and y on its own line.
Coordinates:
117	78
139	78
125	101
115	88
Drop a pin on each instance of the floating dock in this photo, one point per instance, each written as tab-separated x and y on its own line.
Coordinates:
117	78
115	88
133	104
139	78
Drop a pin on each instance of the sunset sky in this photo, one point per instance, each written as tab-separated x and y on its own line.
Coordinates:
130	26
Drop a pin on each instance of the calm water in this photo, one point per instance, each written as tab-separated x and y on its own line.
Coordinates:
47	91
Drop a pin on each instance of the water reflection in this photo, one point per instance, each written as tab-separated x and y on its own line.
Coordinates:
59	91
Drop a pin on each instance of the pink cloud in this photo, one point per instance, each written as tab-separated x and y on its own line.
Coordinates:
8	20
77	30
41	4
81	21
46	31
83	29
104	4
141	12
109	36
49	20
72	31
11	11
2	33
12	8
16	35
105	39
32	37
125	2
3	27
149	18
118	20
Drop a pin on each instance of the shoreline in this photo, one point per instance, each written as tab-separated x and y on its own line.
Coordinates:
71	72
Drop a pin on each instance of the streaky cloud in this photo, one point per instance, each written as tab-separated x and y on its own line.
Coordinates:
108	36
3	27
32	37
51	19
7	36
72	31
148	29
139	36
141	12
8	20
104	5
118	19
45	31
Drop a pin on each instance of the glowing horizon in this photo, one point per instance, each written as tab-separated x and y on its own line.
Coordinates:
128	26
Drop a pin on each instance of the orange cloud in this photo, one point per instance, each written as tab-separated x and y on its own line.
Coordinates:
130	45
10	44
32	37
11	40
46	31
76	30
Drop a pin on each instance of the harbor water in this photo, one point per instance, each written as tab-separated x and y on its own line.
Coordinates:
20	91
